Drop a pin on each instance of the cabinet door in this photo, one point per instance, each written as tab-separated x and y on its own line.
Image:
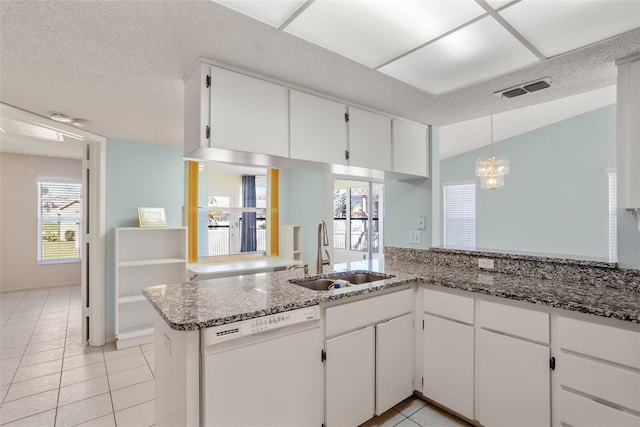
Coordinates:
448	364
248	114
512	381
318	129
410	148
369	140
350	378
394	362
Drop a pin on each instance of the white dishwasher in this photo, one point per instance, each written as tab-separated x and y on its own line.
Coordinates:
265	371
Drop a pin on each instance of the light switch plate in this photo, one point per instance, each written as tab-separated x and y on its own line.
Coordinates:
486	263
414	236
421	223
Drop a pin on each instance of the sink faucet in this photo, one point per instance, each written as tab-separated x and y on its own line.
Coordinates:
323	240
303	266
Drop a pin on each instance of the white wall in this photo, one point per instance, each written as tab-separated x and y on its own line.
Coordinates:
19	268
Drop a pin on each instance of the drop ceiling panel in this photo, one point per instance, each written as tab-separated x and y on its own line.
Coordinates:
376	31
496	4
556	27
479	51
272	12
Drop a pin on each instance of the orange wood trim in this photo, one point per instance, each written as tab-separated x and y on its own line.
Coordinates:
273	179
193	172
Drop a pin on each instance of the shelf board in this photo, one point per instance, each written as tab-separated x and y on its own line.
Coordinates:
130	299
157	261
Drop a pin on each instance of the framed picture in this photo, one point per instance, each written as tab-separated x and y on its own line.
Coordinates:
152	217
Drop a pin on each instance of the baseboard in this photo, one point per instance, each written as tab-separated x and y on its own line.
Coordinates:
36	287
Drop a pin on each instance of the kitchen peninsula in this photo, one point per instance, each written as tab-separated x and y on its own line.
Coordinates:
590	327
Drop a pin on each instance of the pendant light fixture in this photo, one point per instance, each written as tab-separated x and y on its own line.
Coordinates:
493	169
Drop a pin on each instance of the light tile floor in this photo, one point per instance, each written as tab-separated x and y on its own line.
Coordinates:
49	378
413	412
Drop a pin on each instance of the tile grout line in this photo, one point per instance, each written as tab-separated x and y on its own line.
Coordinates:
21	357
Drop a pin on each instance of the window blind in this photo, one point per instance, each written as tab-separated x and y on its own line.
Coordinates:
613	220
459	216
59	218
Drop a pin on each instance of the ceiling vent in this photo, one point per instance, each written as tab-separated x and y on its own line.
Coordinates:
524	88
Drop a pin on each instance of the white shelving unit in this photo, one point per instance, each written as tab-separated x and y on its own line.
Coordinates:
144	257
291	242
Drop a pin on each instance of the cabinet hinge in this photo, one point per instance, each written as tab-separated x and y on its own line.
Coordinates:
86	311
346	154
208	132
552	363
208	82
346	117
323	355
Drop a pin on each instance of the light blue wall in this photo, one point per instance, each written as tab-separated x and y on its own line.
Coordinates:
555	198
139	175
404	202
305	199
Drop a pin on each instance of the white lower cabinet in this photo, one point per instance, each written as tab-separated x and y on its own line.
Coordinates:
512	381
369	357
350	378
448	364
598	374
448	350
512	371
394	362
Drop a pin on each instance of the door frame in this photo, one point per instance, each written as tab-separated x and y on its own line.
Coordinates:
93	200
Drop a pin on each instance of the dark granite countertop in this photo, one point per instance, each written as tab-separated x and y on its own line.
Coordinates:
195	305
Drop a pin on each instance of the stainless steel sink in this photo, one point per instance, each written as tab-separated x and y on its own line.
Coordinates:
325	282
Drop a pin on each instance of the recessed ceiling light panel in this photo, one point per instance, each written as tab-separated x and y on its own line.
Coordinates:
373	32
272	12
556	27
477	52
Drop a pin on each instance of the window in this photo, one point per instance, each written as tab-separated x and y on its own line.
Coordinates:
459	216
59	217
613	220
235	215
357	209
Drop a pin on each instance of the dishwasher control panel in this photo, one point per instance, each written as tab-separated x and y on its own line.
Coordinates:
222	333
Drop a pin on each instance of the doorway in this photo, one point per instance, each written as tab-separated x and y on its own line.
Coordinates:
358	210
32	135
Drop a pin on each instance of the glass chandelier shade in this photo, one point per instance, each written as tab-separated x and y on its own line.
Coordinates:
493	169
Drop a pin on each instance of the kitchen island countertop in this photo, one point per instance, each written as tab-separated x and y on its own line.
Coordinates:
195	305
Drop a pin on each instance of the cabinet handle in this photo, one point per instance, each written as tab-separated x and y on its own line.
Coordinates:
552	363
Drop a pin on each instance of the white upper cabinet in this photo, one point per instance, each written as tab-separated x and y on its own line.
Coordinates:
318	129
628	133
233	111
369	140
248	114
196	109
410	148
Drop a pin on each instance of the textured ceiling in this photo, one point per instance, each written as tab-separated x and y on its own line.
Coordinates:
120	64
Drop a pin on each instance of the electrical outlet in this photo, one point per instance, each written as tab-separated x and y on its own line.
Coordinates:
421	223
414	236
486	263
